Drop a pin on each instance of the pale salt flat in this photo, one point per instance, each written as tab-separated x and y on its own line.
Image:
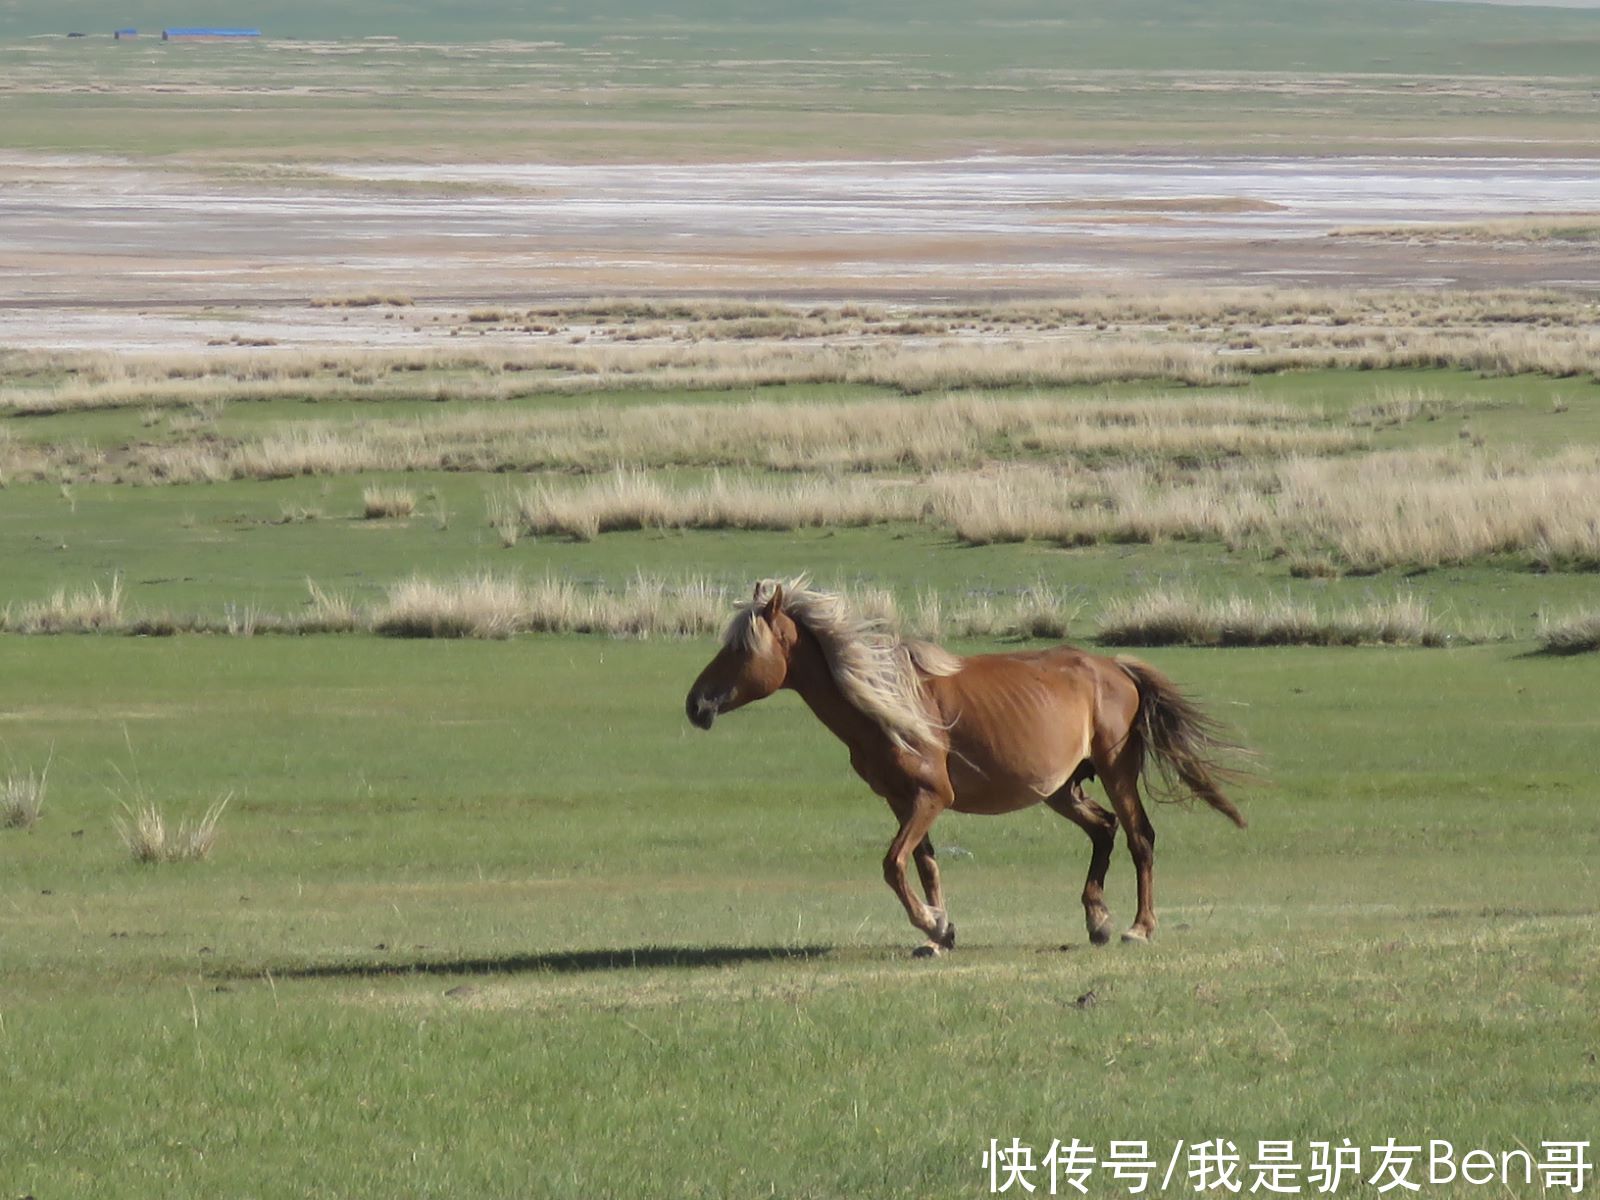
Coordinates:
88	245
1007	195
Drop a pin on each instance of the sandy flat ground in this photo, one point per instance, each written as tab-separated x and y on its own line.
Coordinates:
96	251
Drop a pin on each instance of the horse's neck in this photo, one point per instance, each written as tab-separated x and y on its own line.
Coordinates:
811	678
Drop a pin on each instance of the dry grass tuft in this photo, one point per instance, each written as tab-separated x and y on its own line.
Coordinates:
483	606
1313	566
1139	502
330	612
150	838
1178	618
1419	509
628	500
243	620
364	300
1045	612
91	611
505	517
1401	406
1431	508
1577	633
1037	611
22	796
379	502
490	606
874	435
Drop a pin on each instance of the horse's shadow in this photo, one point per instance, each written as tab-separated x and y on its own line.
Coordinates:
561	962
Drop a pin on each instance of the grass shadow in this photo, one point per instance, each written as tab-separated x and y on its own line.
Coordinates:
561	962
1546	652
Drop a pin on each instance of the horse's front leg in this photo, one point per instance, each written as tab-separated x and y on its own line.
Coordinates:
928	871
916	816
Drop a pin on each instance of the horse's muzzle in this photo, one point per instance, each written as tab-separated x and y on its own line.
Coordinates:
700	711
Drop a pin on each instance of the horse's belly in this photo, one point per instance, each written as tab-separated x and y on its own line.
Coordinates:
1018	732
992	794
991	775
993	804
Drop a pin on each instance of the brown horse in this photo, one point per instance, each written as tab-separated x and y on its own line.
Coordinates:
991	733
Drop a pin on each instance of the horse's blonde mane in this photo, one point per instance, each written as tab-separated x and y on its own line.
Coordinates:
876	671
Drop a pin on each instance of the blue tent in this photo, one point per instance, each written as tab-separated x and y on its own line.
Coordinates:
168	34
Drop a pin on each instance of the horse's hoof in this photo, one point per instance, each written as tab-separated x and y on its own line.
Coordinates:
947	937
928	951
1136	937
1100	931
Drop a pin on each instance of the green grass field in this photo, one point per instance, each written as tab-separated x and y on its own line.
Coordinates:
1232	34
682	974
488	918
494	81
200	549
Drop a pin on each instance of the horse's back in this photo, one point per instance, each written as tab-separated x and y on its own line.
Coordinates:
1063	668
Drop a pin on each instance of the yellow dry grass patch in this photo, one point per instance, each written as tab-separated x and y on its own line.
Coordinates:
1545	227
490	606
631	499
150	837
22	797
1419	508
378	502
1207	336
1574	633
1165	618
872	435
89	610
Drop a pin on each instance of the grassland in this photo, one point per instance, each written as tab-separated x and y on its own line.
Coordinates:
451	941
483	916
400	637
1338	450
500	82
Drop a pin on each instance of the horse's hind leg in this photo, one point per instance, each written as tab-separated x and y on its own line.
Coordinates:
1071	802
928	872
1121	780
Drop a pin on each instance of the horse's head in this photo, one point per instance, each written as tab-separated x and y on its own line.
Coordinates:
752	664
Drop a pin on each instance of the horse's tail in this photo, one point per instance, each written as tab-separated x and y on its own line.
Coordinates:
1187	744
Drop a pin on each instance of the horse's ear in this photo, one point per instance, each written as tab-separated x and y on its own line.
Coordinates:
774	604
